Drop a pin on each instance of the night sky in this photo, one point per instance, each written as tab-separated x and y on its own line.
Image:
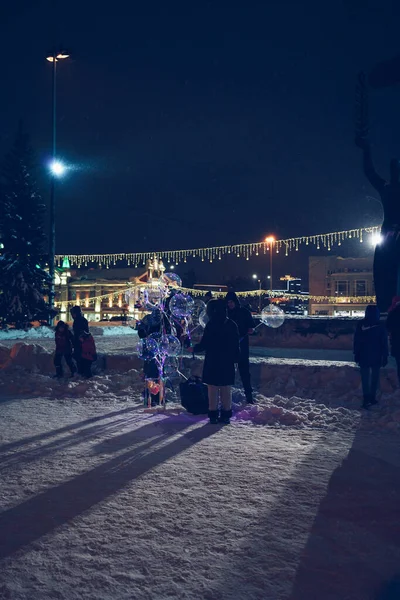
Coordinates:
201	123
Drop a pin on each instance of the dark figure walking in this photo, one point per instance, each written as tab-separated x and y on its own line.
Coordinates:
244	321
220	342
393	327
370	352
88	354
64	343
80	325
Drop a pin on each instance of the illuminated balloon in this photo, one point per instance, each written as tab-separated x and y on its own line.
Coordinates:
203	318
181	305
171	366
153	296
170	345
272	316
156	337
198	308
172	280
147	348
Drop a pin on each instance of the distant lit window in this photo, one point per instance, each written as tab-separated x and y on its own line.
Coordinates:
360	288
342	288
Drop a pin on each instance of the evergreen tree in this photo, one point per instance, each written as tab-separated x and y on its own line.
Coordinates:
23	281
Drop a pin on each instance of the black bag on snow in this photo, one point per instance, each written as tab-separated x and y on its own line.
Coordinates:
194	396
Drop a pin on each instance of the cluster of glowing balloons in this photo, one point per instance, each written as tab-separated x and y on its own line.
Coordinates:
159	345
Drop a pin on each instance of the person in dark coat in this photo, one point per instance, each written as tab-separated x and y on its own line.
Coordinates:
220	342
64	344
244	321
80	326
370	352
393	327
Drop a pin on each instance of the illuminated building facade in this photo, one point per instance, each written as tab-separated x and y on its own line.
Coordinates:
102	292
349	280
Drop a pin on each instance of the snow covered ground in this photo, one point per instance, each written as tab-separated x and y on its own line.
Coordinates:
101	499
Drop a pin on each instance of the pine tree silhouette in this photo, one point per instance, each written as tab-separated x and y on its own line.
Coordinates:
23	281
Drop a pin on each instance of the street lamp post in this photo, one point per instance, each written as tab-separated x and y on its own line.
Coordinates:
56	170
259	293
270	240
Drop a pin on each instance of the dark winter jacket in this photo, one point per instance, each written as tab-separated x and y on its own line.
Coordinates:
393	327
79	326
88	347
64	342
244	321
221	344
370	340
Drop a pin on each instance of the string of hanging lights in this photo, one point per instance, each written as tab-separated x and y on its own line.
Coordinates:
210	254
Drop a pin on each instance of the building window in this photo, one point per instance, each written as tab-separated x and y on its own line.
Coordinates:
342	288
360	288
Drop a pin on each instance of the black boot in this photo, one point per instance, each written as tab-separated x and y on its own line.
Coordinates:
373	400
225	417
59	373
213	416
366	402
249	398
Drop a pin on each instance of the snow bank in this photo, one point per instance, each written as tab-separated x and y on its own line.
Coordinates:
36	333
118	330
333	414
30	334
117	386
297	412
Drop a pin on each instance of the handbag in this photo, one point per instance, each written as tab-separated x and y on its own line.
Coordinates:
194	396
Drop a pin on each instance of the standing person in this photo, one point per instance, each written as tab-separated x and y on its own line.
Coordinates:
244	321
64	344
393	327
80	325
88	353
220	342
370	353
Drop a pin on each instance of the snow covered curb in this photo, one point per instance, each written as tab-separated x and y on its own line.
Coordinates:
38	333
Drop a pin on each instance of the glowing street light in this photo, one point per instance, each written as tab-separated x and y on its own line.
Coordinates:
57	169
57	57
376	239
270	240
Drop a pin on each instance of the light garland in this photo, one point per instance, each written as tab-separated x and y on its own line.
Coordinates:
251	293
136	259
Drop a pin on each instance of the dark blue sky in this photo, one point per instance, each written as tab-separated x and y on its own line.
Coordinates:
199	123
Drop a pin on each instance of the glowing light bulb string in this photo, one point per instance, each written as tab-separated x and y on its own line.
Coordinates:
248	250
